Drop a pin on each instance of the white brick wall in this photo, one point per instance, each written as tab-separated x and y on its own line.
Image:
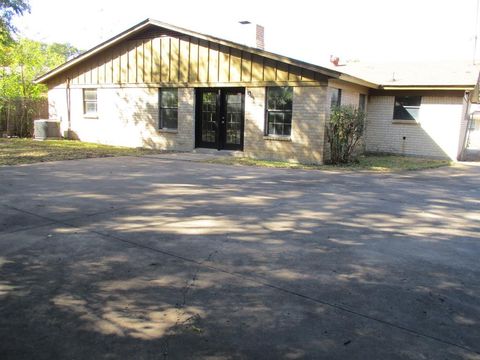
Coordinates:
129	117
126	117
437	133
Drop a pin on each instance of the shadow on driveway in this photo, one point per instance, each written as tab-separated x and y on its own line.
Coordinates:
158	258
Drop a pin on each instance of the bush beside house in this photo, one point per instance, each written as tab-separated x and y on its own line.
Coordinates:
345	129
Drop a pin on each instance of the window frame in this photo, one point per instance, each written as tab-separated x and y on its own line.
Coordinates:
339	98
85	102
396	99
267	111
362	102
161	121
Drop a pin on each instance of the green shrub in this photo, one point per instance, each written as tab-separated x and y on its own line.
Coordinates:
344	130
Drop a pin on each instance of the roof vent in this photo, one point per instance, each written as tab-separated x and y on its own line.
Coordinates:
335	60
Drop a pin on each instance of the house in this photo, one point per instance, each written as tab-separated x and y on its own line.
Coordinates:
161	86
419	108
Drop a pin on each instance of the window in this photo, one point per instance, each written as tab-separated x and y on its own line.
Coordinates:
90	101
279	111
168	108
362	102
406	107
335	98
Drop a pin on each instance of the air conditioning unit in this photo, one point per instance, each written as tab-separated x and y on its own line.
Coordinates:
46	129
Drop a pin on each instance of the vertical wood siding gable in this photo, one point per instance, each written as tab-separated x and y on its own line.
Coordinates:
154	57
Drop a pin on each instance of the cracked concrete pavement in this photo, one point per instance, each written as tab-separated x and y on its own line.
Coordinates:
169	258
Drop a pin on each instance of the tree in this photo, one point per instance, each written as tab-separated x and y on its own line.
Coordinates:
25	60
9	9
344	130
66	51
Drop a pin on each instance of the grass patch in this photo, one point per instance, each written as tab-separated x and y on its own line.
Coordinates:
27	151
380	163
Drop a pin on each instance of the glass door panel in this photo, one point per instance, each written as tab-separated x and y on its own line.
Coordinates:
233	119
209	117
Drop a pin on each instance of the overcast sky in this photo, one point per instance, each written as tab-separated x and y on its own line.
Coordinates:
367	30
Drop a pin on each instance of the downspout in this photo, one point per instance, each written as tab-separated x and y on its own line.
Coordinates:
69	123
466	97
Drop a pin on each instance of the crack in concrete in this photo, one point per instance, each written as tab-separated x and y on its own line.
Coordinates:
189	284
260	281
25	228
102	212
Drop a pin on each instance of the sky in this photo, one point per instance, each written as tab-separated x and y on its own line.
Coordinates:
363	30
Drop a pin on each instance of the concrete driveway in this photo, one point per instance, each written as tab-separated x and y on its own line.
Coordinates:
162	258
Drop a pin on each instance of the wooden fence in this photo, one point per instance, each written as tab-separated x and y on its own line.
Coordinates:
17	115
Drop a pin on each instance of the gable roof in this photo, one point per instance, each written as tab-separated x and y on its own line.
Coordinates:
150	22
453	75
445	75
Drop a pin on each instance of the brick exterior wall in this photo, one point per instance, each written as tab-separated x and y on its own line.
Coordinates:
437	134
350	92
308	127
129	117
260	37
126	117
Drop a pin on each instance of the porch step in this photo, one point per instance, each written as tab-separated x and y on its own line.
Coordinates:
197	155
216	152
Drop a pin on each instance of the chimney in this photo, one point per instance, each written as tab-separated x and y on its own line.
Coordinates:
252	35
260	37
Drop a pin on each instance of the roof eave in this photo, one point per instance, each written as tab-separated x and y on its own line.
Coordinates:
427	87
358	81
91	52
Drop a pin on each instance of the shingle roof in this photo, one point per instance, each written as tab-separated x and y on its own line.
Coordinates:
434	73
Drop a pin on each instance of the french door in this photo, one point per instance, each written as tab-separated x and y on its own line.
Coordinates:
220	118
